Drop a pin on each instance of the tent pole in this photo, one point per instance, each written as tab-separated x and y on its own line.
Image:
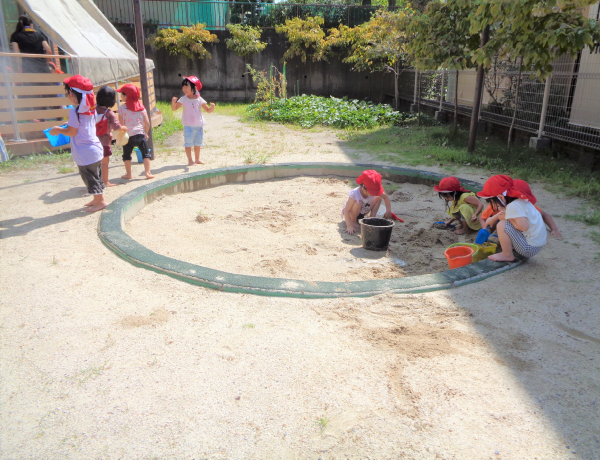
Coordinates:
141	51
4	45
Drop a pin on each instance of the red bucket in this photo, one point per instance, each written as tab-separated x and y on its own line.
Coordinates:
459	256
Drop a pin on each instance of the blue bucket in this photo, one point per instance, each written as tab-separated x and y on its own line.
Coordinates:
483	236
138	152
57	141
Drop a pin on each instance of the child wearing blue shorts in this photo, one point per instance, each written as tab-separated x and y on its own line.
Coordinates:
192	119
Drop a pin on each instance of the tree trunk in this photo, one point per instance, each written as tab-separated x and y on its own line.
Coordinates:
419	100
478	94
456	103
512	122
366	2
391	4
396	98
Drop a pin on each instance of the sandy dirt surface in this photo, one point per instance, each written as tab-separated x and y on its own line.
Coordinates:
293	229
101	359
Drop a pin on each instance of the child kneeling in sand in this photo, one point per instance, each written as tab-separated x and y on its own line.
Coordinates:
462	205
366	198
520	227
86	149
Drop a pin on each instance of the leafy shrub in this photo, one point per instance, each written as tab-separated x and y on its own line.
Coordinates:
308	111
187	41
245	40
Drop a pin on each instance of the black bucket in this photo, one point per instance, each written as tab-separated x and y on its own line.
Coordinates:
376	233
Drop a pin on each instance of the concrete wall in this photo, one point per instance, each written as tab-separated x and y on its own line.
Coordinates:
223	78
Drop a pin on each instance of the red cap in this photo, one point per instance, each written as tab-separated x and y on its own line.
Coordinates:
195	81
79	82
372	182
524	188
133	97
448	185
504	185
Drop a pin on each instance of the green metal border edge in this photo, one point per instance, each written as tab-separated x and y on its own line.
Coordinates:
114	238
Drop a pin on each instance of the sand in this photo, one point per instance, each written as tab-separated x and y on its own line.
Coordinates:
293	229
101	359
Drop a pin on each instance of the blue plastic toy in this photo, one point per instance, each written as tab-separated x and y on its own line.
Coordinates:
57	141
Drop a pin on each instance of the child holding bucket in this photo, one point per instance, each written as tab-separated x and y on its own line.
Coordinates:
86	149
520	227
489	217
461	204
133	115
366	198
106	123
192	119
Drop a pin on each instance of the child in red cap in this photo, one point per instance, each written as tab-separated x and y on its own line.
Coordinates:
490	216
192	119
462	205
366	198
86	149
520	227
133	115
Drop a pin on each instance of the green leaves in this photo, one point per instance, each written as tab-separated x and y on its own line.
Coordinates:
245	40
309	111
187	41
306	37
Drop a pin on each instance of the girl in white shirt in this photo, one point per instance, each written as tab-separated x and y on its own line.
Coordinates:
192	119
520	227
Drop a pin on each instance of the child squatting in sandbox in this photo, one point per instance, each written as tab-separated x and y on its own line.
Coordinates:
366	198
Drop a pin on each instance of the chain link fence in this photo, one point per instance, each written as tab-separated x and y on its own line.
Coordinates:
564	106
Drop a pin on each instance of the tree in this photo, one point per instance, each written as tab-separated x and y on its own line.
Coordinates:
442	38
534	32
379	44
187	41
306	37
245	40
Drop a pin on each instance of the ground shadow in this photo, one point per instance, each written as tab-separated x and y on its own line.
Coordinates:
72	193
23	225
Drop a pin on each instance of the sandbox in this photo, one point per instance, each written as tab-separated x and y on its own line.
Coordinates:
277	230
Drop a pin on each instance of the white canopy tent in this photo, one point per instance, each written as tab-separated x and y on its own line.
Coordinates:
98	50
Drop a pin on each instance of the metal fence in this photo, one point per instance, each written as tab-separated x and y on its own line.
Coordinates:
216	15
562	107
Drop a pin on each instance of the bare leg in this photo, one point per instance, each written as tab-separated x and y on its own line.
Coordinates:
463	229
149	174
127	170
188	152
98	203
353	218
105	162
507	248
197	154
375	203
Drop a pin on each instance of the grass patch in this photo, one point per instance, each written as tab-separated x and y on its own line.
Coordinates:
232	109
66	169
61	159
170	125
436	145
595	236
248	326
587	216
322	422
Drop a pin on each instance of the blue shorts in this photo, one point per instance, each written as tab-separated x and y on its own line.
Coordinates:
193	136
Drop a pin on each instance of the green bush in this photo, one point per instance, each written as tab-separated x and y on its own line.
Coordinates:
309	111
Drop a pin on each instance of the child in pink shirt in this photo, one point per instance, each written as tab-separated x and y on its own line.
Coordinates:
192	119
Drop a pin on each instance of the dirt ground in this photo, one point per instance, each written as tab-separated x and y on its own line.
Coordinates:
101	359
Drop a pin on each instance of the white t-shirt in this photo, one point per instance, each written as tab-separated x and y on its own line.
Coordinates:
192	112
536	233
133	120
86	149
356	196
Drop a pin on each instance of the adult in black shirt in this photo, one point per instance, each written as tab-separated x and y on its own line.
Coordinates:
26	40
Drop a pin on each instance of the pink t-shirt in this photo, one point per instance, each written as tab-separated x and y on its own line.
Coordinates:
192	112
133	120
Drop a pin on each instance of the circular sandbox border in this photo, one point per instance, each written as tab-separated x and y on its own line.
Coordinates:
120	211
